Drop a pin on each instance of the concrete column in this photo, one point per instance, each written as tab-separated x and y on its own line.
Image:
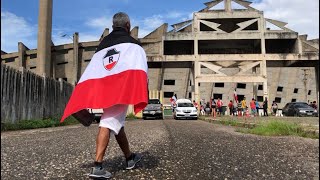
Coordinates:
196	83
76	57
263	69
227	5
22	51
316	70
196	29
298	46
155	94
44	37
134	32
262	29
161	96
104	34
255	88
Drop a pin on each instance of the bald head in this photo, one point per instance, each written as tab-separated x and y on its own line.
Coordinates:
122	20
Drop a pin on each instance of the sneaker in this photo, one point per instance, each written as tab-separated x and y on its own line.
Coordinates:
131	163
99	172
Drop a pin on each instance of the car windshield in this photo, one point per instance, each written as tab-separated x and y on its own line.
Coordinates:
185	105
154	101
301	105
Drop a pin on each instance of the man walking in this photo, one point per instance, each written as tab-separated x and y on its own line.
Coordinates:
115	78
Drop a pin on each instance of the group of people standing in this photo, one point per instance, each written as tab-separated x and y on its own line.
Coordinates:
236	108
213	107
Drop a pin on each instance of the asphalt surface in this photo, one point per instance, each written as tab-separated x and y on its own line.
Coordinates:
171	149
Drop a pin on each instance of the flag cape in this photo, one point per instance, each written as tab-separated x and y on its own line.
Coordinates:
115	75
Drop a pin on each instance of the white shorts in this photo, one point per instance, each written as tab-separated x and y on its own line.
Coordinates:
114	117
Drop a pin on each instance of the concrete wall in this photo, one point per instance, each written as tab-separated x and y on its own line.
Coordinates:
288	78
25	95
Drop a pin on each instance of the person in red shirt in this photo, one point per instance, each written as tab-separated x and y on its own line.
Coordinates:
219	107
253	107
230	105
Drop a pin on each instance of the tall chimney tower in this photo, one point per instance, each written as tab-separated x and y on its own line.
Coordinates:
44	37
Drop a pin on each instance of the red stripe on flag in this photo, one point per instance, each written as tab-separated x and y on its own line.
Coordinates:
128	87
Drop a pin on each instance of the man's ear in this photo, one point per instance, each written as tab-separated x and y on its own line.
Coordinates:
128	27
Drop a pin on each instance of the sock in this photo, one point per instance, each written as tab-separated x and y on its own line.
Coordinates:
130	157
98	164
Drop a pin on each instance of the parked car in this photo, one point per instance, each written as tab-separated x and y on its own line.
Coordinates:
153	110
185	109
97	114
298	109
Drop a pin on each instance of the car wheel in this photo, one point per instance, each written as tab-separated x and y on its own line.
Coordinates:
161	117
144	118
196	118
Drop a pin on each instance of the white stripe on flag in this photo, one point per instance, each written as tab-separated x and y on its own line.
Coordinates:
132	57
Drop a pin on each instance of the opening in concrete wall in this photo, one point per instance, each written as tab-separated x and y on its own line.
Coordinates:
293	100
241	85
279	89
204	27
240	97
216	96
178	47
260	98
168	94
277	99
33	56
239	46
8	60
218	84
169	82
280	45
230	24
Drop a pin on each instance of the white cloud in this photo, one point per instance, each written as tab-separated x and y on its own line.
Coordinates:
174	15
100	22
16	29
85	37
301	16
153	22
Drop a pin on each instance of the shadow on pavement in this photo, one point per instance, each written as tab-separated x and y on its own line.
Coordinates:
148	161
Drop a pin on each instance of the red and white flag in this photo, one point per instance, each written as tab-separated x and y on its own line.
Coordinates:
115	75
235	96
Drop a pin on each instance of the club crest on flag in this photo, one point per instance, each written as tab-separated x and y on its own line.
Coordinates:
110	59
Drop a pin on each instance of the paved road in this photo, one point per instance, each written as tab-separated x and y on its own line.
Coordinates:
171	149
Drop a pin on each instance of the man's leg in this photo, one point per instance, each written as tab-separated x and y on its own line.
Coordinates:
131	158
123	143
102	143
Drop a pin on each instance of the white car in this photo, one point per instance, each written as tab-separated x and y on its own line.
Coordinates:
185	109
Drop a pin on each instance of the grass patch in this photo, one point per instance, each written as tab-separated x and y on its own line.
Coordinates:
131	116
38	123
230	122
279	128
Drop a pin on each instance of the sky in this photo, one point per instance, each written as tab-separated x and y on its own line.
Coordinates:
89	18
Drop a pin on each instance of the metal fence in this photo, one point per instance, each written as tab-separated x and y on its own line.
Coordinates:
25	95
